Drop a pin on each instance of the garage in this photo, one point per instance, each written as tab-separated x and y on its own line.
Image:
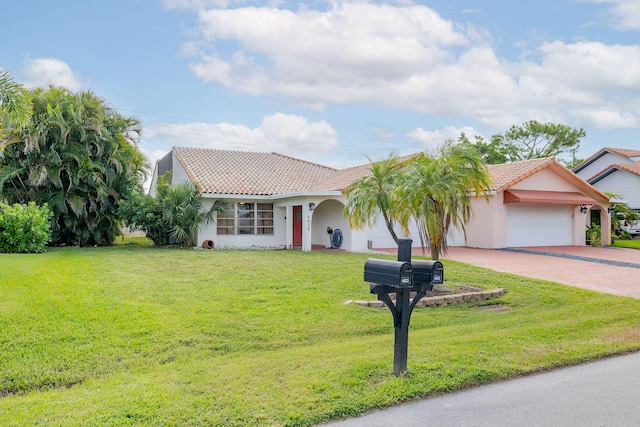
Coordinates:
539	225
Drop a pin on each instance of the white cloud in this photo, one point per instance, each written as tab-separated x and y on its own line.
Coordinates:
42	72
284	133
433	139
624	13
408	57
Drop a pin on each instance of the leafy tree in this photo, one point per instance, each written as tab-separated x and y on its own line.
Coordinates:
78	155
173	216
15	106
375	194
532	140
492	152
437	191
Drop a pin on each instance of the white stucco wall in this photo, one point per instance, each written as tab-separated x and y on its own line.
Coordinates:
328	213
246	241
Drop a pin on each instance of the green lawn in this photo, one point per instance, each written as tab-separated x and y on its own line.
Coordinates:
633	244
132	335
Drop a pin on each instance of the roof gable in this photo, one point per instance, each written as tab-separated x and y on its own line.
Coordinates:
619	151
632	169
249	173
509	174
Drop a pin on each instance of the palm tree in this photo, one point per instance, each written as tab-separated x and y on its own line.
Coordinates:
15	106
80	157
182	209
374	194
438	189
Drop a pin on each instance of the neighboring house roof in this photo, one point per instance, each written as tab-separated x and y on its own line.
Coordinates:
620	151
633	169
250	173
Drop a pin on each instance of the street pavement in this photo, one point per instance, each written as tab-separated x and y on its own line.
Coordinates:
602	393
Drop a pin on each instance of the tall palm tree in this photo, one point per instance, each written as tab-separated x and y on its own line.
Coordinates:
375	194
437	189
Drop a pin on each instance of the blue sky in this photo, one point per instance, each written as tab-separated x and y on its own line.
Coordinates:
332	82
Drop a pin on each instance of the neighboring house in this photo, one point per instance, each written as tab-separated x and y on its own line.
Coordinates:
614	170
276	201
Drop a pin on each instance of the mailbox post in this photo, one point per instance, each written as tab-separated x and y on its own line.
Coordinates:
402	277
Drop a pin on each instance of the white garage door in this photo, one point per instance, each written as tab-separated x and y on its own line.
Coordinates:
538	225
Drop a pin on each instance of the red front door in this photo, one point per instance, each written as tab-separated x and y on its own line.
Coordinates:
297	225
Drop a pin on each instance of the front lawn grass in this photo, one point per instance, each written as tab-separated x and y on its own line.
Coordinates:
131	335
633	244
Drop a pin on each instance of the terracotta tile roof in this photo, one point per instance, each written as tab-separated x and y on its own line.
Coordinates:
509	174
633	168
250	173
624	152
342	178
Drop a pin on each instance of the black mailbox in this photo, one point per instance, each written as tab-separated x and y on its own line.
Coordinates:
427	273
391	273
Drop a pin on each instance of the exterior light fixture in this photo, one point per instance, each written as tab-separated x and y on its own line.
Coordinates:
584	209
312	206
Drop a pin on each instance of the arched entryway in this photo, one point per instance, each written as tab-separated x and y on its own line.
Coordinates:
328	214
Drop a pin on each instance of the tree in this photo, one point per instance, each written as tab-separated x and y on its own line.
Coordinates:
173	216
493	152
374	194
15	106
78	155
437	191
532	140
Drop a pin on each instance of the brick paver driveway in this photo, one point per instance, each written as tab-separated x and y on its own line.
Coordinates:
604	269
612	270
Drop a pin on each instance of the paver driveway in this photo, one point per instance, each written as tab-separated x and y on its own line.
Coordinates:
590	267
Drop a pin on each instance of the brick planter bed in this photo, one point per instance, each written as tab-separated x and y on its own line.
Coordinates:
442	300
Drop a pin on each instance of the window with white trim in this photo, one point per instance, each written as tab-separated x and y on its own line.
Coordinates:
246	218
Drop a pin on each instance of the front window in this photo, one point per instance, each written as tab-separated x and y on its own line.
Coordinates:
246	218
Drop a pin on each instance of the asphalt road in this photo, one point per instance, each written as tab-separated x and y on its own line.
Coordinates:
602	393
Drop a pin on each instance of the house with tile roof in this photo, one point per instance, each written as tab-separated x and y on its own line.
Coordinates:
614	170
277	201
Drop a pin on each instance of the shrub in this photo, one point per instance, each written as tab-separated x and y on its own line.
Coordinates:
24	228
